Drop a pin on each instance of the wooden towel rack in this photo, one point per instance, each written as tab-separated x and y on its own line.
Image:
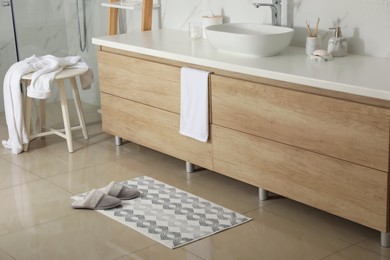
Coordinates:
146	23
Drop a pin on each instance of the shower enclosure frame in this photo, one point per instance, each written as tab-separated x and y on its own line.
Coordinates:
9	3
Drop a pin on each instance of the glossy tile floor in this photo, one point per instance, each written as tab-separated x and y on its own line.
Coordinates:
37	222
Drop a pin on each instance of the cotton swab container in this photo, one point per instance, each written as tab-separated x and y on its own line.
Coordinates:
208	20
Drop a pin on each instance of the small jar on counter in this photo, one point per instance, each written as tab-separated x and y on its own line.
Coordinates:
337	45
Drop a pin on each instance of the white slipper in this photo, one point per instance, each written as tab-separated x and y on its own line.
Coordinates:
120	191
96	199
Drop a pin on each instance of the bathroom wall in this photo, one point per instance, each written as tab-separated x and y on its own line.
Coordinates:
96	21
50	27
40	28
365	23
7	46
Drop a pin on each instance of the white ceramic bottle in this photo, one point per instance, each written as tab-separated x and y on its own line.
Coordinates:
337	45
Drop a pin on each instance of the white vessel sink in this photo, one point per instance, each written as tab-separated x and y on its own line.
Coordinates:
249	39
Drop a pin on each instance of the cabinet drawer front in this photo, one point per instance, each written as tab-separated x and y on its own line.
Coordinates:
143	81
348	190
350	131
153	128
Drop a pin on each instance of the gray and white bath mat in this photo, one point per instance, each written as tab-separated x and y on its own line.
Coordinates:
169	215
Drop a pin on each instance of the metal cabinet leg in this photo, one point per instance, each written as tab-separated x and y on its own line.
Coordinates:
263	194
385	239
118	141
189	167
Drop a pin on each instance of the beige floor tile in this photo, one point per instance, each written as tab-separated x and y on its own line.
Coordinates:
154	160
4	150
45	143
355	253
13	175
95	134
37	222
85	235
267	236
159	252
152	163
83	156
3	136
59	145
41	162
93	177
244	191
168	167
373	245
4	256
322	221
128	149
29	204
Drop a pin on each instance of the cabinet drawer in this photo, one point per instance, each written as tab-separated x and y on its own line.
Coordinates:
350	131
345	189
154	128
139	80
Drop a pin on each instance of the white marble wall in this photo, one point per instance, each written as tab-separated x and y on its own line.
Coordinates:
365	23
96	20
7	47
40	28
50	27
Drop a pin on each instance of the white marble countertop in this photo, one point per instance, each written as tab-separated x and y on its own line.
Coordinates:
354	74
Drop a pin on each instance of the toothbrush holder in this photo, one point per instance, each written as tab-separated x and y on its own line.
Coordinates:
312	43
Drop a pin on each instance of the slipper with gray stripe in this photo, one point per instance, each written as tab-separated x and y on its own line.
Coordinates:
120	191
96	199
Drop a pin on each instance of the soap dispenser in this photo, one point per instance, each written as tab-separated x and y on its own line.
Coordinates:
337	45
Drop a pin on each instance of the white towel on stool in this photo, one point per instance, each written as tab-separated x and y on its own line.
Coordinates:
13	107
45	68
86	79
194	104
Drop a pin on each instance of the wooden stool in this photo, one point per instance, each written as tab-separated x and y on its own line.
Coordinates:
66	133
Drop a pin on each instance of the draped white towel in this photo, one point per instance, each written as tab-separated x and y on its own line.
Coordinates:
45	68
194	104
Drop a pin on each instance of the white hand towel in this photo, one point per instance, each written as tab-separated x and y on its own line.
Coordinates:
194	104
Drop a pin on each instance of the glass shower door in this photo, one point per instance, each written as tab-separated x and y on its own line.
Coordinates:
7	44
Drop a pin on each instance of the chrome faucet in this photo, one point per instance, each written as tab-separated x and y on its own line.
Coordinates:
276	9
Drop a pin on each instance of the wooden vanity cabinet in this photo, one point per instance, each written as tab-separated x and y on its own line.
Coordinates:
336	186
329	153
349	131
141	103
326	151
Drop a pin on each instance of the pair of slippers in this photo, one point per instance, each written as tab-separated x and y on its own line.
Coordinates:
107	197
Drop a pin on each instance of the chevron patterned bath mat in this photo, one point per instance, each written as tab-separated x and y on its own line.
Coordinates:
171	216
